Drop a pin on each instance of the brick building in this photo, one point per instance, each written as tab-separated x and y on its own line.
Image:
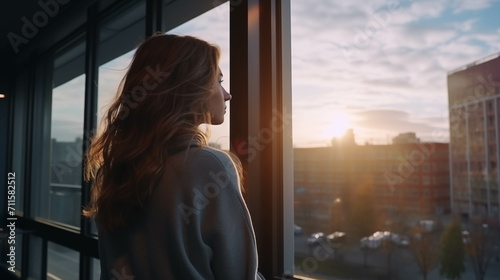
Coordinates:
409	179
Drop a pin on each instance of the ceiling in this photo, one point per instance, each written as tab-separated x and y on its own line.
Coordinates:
18	15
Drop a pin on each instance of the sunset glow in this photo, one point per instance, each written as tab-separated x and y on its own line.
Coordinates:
339	124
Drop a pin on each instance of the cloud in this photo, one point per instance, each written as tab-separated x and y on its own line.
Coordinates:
390	76
466	25
384	62
471	5
379	126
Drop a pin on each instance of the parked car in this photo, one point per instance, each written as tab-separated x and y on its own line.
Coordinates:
427	225
375	240
315	238
400	240
336	237
465	237
297	230
370	242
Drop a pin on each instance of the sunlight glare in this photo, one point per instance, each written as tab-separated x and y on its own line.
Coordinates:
339	125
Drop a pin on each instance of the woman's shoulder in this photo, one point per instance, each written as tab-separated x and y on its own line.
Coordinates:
207	158
215	154
206	165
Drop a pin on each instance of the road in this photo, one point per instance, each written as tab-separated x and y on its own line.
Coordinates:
403	264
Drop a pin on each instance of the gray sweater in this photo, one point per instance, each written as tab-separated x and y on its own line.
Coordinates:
196	226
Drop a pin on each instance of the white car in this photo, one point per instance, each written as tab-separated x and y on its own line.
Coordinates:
375	240
336	237
297	230
315	238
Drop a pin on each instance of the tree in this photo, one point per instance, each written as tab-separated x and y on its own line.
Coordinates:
389	246
364	218
452	251
479	248
425	249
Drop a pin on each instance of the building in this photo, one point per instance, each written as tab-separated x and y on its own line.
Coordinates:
408	180
474	109
409	137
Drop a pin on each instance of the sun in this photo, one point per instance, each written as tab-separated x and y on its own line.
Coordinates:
338	126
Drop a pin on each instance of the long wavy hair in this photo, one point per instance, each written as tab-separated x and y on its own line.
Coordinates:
163	95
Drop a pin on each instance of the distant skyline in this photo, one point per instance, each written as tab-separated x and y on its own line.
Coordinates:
378	67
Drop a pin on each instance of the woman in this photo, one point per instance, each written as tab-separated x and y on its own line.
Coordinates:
167	206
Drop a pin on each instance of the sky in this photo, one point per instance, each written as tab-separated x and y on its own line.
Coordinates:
378	67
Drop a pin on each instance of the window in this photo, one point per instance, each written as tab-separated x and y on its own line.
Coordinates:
213	26
54	114
379	79
381	66
62	263
426	181
58	195
115	51
426	168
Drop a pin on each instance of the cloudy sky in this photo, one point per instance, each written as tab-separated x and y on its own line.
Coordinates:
380	67
376	66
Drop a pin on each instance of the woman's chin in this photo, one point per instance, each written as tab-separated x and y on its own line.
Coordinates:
217	122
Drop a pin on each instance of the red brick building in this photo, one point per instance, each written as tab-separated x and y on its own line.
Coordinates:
408	179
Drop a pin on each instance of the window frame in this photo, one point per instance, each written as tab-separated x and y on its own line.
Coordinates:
261	84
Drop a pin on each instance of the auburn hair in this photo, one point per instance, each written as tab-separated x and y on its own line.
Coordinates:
163	95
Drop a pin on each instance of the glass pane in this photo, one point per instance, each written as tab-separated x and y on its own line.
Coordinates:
67	139
387	96
96	269
62	262
118	38
213	26
35	260
110	75
217	32
59	200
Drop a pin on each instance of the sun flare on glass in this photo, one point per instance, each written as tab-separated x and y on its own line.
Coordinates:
339	125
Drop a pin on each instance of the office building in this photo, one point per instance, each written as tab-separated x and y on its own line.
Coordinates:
474	110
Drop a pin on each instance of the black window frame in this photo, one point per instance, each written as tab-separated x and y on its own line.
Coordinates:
260	78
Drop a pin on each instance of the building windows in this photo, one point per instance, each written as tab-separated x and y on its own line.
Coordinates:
426	180
426	167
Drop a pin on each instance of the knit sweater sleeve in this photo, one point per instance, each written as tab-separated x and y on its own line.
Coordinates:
220	214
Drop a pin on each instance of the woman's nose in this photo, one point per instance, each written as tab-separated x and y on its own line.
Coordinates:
227	96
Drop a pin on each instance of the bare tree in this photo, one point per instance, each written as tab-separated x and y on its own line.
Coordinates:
425	249
389	247
479	249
